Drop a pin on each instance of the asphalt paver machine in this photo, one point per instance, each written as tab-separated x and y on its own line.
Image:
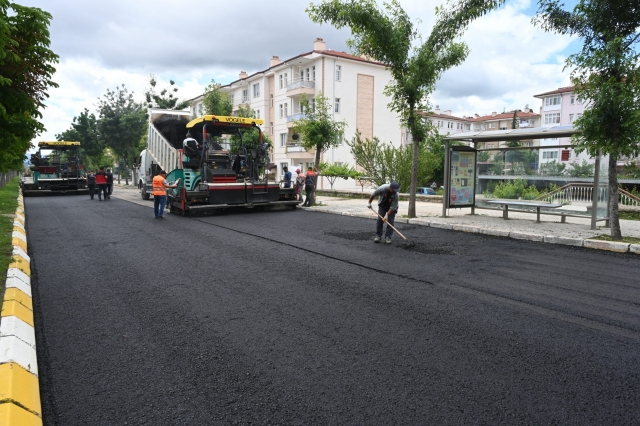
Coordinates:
213	173
56	168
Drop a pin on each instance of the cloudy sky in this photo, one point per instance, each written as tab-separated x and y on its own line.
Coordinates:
103	44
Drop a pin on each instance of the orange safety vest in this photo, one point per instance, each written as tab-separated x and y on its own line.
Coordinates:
158	185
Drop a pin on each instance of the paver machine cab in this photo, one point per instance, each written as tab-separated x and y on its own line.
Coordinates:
212	177
56	169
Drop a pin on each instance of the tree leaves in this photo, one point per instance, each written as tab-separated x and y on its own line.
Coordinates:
26	68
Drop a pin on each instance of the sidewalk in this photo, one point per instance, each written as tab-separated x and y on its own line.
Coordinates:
575	232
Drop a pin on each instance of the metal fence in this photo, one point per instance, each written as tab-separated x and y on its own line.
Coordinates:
6	177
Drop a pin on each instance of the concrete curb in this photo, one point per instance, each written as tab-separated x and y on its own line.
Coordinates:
550	239
19	385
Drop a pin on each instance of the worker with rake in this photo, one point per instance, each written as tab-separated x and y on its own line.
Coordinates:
387	208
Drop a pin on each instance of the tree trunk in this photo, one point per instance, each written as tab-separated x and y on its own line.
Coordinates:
126	174
315	182
414	166
614	218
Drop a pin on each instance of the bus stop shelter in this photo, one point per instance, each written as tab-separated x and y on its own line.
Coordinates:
472	139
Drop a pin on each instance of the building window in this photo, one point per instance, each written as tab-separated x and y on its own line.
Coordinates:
553	118
579	114
566	155
570	118
281	80
308	74
580	101
286	112
573	99
337	106
256	90
492	125
552	100
503	128
338	72
286	79
283	166
313	104
313	72
271	127
281	110
271	101
283	139
257	113
491	145
549	155
245	96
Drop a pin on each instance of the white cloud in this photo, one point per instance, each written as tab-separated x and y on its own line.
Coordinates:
103	44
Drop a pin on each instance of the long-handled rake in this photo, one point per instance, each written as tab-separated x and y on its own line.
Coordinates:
384	219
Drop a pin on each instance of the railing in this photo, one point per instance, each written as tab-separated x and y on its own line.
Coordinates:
628	199
583	192
295	147
296	116
297	84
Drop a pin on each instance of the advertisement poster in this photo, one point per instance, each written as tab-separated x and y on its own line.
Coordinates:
462	177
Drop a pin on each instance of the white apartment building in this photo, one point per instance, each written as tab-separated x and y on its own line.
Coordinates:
560	108
353	85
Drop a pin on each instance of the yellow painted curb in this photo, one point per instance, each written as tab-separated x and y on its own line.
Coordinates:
20	230
11	414
18	242
20	263
19	219
12	308
19	386
19	296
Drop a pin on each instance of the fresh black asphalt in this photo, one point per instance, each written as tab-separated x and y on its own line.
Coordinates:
297	318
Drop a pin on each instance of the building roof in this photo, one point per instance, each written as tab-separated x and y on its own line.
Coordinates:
513	134
327	52
555	92
503	116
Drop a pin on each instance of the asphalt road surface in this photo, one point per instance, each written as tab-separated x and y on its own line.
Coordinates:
297	318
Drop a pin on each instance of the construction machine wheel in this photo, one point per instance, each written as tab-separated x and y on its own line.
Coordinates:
144	193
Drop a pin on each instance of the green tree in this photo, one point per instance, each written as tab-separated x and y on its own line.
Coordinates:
250	137
389	36
84	129
317	128
216	101
166	99
552	168
334	171
385	163
583	170
121	123
26	68
606	74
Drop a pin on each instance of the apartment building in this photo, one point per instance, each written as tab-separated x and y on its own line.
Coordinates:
560	107
525	118
353	85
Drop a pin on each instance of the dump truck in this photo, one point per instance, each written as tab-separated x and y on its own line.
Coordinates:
56	169
210	175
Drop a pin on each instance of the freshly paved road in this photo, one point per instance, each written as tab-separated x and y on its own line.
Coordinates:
296	317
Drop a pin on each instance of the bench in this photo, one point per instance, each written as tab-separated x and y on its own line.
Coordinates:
538	206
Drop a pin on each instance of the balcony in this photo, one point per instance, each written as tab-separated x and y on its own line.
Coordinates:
298	151
298	87
291	119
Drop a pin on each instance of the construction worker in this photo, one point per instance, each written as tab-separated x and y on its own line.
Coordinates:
387	206
309	187
101	181
160	186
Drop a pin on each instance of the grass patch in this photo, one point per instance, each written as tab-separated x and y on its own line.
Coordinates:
8	205
628	240
629	215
